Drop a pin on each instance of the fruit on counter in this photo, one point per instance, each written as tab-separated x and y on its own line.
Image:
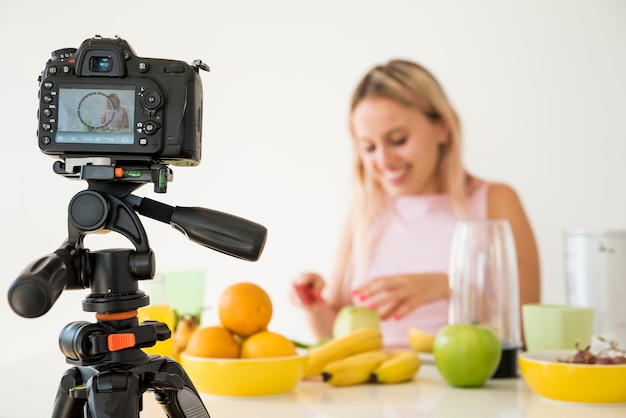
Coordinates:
353	369
467	355
265	344
420	340
213	341
310	346
376	366
352	318
401	366
610	354
184	330
361	340
233	336
245	308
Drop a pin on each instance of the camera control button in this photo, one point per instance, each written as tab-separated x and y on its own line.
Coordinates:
149	128
174	69
151	100
46	140
143	141
46	127
47	112
143	67
47	85
48	99
66	69
53	70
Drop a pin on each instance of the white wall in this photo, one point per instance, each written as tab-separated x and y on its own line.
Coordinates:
539	85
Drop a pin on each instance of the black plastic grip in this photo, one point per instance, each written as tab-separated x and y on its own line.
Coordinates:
38	287
221	232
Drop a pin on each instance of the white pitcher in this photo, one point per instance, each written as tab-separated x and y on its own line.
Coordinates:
595	275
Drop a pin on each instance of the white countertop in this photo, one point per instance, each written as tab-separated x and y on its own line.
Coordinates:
29	387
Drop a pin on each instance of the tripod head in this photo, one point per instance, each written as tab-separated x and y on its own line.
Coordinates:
109	205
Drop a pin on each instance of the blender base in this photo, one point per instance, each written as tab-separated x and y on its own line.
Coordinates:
508	364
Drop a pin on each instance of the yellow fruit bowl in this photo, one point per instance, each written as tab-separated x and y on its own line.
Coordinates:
245	377
585	383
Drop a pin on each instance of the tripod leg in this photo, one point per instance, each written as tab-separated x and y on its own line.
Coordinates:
174	390
66	406
115	394
182	403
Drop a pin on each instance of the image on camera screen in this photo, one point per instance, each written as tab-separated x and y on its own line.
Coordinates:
96	115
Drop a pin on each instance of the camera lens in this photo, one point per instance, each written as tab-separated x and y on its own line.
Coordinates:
101	64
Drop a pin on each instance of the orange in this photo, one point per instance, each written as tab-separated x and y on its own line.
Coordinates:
213	341
245	308
267	344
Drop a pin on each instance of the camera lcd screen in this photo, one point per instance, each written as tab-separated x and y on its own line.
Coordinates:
96	115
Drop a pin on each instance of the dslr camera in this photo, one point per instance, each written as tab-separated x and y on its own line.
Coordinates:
102	100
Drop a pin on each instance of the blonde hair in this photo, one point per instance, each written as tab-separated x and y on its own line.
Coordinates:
411	85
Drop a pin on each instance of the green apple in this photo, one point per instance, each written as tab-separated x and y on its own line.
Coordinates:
467	355
351	318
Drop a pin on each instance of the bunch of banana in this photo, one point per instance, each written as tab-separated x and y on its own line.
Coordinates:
353	369
421	341
359	341
184	329
399	367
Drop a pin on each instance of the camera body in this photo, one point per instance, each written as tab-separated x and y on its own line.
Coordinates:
102	100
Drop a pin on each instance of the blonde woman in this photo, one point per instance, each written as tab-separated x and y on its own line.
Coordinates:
410	188
115	115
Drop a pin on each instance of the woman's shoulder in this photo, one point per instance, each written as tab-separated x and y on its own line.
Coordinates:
501	192
495	190
503	201
492	199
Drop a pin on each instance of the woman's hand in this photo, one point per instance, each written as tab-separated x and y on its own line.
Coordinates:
306	292
307	289
396	296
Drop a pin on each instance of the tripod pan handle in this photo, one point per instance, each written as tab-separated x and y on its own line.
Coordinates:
222	232
38	287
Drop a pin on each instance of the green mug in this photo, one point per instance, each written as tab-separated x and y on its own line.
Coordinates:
548	326
185	291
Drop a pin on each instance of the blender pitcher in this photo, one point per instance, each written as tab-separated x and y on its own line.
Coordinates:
484	284
595	272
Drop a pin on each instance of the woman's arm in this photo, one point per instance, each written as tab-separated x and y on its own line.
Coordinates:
338	291
503	203
321	309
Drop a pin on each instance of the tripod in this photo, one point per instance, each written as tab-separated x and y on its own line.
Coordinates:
110	372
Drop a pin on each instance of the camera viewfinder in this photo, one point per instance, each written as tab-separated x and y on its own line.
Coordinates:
101	64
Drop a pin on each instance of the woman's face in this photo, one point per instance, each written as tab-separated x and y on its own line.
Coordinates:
115	100
399	146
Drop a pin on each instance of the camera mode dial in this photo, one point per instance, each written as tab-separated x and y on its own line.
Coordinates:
63	54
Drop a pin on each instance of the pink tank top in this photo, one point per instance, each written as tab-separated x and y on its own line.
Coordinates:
417	240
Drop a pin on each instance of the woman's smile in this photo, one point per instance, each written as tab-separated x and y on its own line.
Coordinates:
397	176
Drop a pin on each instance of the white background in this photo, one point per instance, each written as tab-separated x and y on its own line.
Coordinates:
540	86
